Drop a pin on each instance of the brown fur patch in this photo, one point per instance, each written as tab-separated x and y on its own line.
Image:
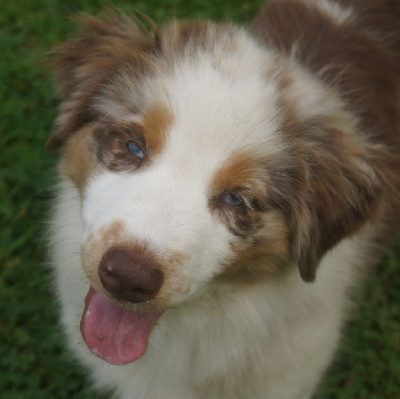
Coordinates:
335	185
84	65
360	58
78	161
112	141
157	121
338	181
262	253
239	170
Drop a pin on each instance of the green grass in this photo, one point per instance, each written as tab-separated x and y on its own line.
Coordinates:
33	363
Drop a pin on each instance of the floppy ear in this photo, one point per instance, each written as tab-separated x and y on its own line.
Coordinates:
339	182
82	66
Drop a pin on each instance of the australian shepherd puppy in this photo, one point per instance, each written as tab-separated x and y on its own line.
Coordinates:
222	193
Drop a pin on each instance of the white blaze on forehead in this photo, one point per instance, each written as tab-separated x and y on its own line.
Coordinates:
219	108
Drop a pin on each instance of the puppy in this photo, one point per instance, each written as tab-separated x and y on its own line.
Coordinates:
222	194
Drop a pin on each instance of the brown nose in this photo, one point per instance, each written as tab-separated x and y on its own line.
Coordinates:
130	275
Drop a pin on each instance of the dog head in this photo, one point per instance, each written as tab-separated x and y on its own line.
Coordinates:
199	155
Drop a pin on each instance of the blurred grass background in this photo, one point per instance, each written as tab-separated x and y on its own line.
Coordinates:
33	363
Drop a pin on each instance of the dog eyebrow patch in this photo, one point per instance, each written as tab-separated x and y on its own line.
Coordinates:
240	170
156	123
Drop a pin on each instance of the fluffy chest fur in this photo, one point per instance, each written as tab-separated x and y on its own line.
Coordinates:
221	194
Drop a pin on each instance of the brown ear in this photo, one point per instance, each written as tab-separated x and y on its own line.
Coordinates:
339	182
82	66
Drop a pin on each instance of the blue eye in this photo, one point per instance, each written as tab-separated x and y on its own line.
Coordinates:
135	150
232	200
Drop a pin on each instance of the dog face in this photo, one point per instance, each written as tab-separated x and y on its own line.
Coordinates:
201	156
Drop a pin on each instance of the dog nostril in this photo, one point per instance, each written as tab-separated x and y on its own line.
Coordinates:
130	275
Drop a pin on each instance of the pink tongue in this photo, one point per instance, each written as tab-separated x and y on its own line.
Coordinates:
115	334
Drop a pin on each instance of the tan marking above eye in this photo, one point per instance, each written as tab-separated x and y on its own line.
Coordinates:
239	170
156	123
242	175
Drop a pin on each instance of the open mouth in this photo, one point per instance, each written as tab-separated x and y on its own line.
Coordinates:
113	333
